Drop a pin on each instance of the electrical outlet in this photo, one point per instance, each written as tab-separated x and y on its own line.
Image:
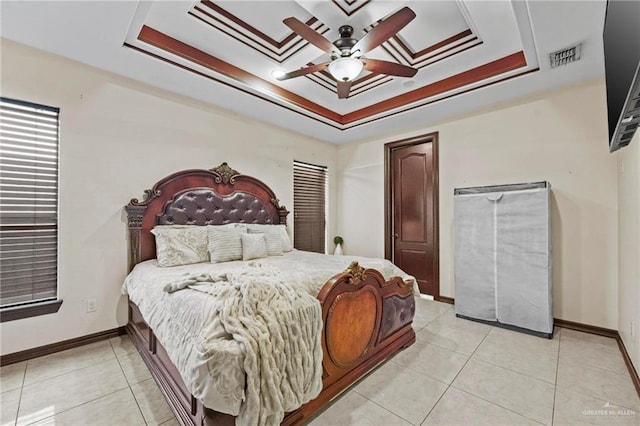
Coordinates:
633	328
91	305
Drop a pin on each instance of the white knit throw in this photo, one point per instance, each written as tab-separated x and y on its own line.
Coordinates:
279	327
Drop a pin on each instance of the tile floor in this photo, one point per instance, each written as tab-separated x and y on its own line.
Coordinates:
104	383
457	373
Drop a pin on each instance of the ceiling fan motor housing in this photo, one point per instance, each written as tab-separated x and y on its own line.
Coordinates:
345	42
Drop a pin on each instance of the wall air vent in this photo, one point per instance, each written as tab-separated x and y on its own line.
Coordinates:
565	56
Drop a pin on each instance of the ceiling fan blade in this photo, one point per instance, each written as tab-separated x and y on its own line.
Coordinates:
343	89
386	67
384	30
303	71
311	35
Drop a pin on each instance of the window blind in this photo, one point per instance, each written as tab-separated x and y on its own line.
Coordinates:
28	202
309	206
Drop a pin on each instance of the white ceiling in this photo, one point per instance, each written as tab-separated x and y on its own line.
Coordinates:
488	52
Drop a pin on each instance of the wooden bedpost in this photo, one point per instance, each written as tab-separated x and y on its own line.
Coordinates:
134	221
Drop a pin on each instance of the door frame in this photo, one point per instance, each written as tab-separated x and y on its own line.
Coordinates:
431	138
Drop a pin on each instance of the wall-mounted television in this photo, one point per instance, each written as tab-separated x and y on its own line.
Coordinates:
622	67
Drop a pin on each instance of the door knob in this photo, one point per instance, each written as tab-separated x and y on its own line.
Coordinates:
395	235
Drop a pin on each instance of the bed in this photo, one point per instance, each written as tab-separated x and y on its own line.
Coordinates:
366	305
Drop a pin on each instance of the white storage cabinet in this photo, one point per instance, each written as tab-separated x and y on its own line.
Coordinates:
502	256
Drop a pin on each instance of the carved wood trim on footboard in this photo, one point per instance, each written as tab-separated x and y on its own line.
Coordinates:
365	320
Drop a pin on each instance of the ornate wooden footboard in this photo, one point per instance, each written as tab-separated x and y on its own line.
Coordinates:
365	318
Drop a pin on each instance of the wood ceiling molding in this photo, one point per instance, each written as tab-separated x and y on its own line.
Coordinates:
238	29
349	7
440	58
385	79
321	82
402	53
474	75
417	56
447	53
431	101
368	82
225	83
270	92
169	44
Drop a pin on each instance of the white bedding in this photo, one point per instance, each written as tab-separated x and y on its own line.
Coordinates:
185	324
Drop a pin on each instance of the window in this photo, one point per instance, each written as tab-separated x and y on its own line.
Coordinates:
28	209
309	206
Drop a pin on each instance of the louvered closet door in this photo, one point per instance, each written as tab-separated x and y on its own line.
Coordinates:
28	202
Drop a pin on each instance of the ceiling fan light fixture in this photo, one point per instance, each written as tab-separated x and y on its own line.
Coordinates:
278	74
345	69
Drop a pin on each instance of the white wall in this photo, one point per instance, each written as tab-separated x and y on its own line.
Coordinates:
629	247
559	136
117	138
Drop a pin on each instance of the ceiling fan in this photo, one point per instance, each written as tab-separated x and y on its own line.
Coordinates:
347	61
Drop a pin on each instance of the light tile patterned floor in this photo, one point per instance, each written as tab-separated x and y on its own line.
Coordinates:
104	383
458	372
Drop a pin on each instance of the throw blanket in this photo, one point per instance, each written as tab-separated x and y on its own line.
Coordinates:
279	327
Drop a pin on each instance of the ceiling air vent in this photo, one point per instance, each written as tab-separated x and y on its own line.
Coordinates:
565	56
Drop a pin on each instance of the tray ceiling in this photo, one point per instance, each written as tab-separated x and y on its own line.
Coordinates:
469	54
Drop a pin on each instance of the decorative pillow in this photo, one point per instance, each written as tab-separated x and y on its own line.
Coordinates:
180	245
229	225
280	230
239	227
225	243
274	242
254	246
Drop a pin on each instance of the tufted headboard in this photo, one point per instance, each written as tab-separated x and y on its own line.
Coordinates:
199	197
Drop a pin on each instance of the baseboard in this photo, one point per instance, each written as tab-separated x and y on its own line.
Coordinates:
445	299
60	346
586	328
627	360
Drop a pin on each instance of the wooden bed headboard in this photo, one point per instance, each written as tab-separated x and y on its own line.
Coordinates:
199	197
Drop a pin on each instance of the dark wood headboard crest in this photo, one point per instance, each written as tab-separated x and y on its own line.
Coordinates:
226	173
200	197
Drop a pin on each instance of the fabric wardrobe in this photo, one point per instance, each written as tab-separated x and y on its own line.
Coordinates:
502	255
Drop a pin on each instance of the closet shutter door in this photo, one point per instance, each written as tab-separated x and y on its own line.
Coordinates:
28	202
309	206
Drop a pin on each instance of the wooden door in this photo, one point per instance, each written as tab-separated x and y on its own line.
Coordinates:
412	205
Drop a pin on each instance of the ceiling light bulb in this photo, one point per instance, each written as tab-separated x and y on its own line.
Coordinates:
345	69
277	74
